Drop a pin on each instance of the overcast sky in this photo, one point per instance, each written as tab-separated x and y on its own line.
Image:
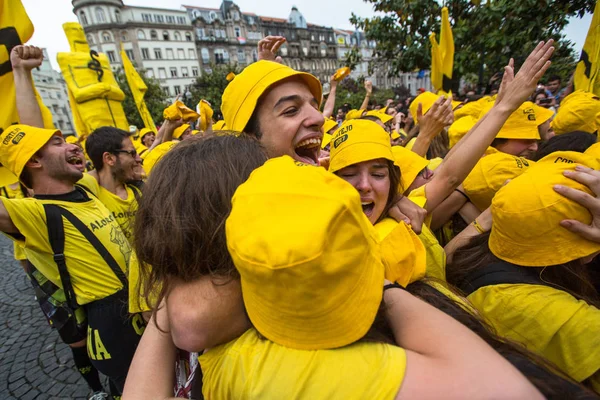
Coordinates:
49	15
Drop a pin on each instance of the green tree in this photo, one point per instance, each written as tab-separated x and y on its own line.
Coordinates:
352	92
486	34
211	85
155	98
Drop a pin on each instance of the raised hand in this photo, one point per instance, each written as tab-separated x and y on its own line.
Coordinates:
26	57
268	48
519	87
368	86
438	117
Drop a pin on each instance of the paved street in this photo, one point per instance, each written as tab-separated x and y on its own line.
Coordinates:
34	363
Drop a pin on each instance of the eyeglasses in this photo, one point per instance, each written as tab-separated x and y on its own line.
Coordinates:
132	153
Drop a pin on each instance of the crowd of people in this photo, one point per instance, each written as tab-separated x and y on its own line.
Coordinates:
430	247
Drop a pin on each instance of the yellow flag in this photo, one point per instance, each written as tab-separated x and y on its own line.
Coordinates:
586	73
442	56
138	90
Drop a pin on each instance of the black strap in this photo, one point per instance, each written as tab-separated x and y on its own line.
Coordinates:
56	236
497	274
137	193
5	192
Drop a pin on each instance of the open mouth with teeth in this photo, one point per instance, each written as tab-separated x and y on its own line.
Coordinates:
76	161
368	207
307	151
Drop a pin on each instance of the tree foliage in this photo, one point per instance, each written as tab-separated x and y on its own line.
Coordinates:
211	85
352	92
155	98
486	33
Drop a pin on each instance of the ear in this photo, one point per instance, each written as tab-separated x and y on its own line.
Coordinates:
34	162
109	159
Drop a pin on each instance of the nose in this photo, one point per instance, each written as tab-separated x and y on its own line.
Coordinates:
74	147
314	119
363	185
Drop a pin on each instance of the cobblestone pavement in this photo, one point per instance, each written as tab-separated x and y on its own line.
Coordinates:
34	362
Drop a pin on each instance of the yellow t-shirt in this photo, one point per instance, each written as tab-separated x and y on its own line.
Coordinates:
123	211
254	368
91	277
548	321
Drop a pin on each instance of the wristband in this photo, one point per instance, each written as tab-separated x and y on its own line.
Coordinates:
463	193
478	227
392	285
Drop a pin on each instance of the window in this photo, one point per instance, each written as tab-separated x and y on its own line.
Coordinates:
111	56
170	19
188	36
180	54
145	54
129	54
90	39
158	54
191	54
159	19
166	90
83	18
173	72
150	73
284	51
147	17
241	55
177	89
118	16
153	35
205	55
181	20
323	50
184	72
200	33
141	35
238	32
124	37
170	54
254	55
162	73
166	35
100	16
312	37
177	36
106	37
194	71
219	59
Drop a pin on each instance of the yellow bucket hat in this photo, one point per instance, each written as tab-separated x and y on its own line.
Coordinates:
593	151
71	139
473	108
18	143
354	114
489	175
329	125
459	129
326	140
426	99
395	135
179	131
308	257
144	132
341	73
156	154
356	141
527	211
178	110
523	123
206	113
410	165
242	93
7	177
219	126
577	112
383	117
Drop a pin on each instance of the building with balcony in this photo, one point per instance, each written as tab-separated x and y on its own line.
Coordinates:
159	41
53	91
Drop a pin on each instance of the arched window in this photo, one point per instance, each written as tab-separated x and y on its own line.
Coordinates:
153	35
188	36
90	39
177	36
100	16
118	16
141	35
165	35
106	37
83	18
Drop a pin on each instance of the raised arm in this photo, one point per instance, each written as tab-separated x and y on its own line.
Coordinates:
514	91
369	89
328	109
431	124
6	224
23	60
464	366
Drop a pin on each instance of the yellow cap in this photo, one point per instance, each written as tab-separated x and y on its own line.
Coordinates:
341	73
410	165
593	150
426	99
356	141
71	139
354	114
434	163
473	108
144	132
489	175
395	135
329	125
178	110
523	123
18	143
577	112
156	154
383	117
308	257
179	131
242	93
326	140
206	114
526	214
459	129
7	177
219	126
